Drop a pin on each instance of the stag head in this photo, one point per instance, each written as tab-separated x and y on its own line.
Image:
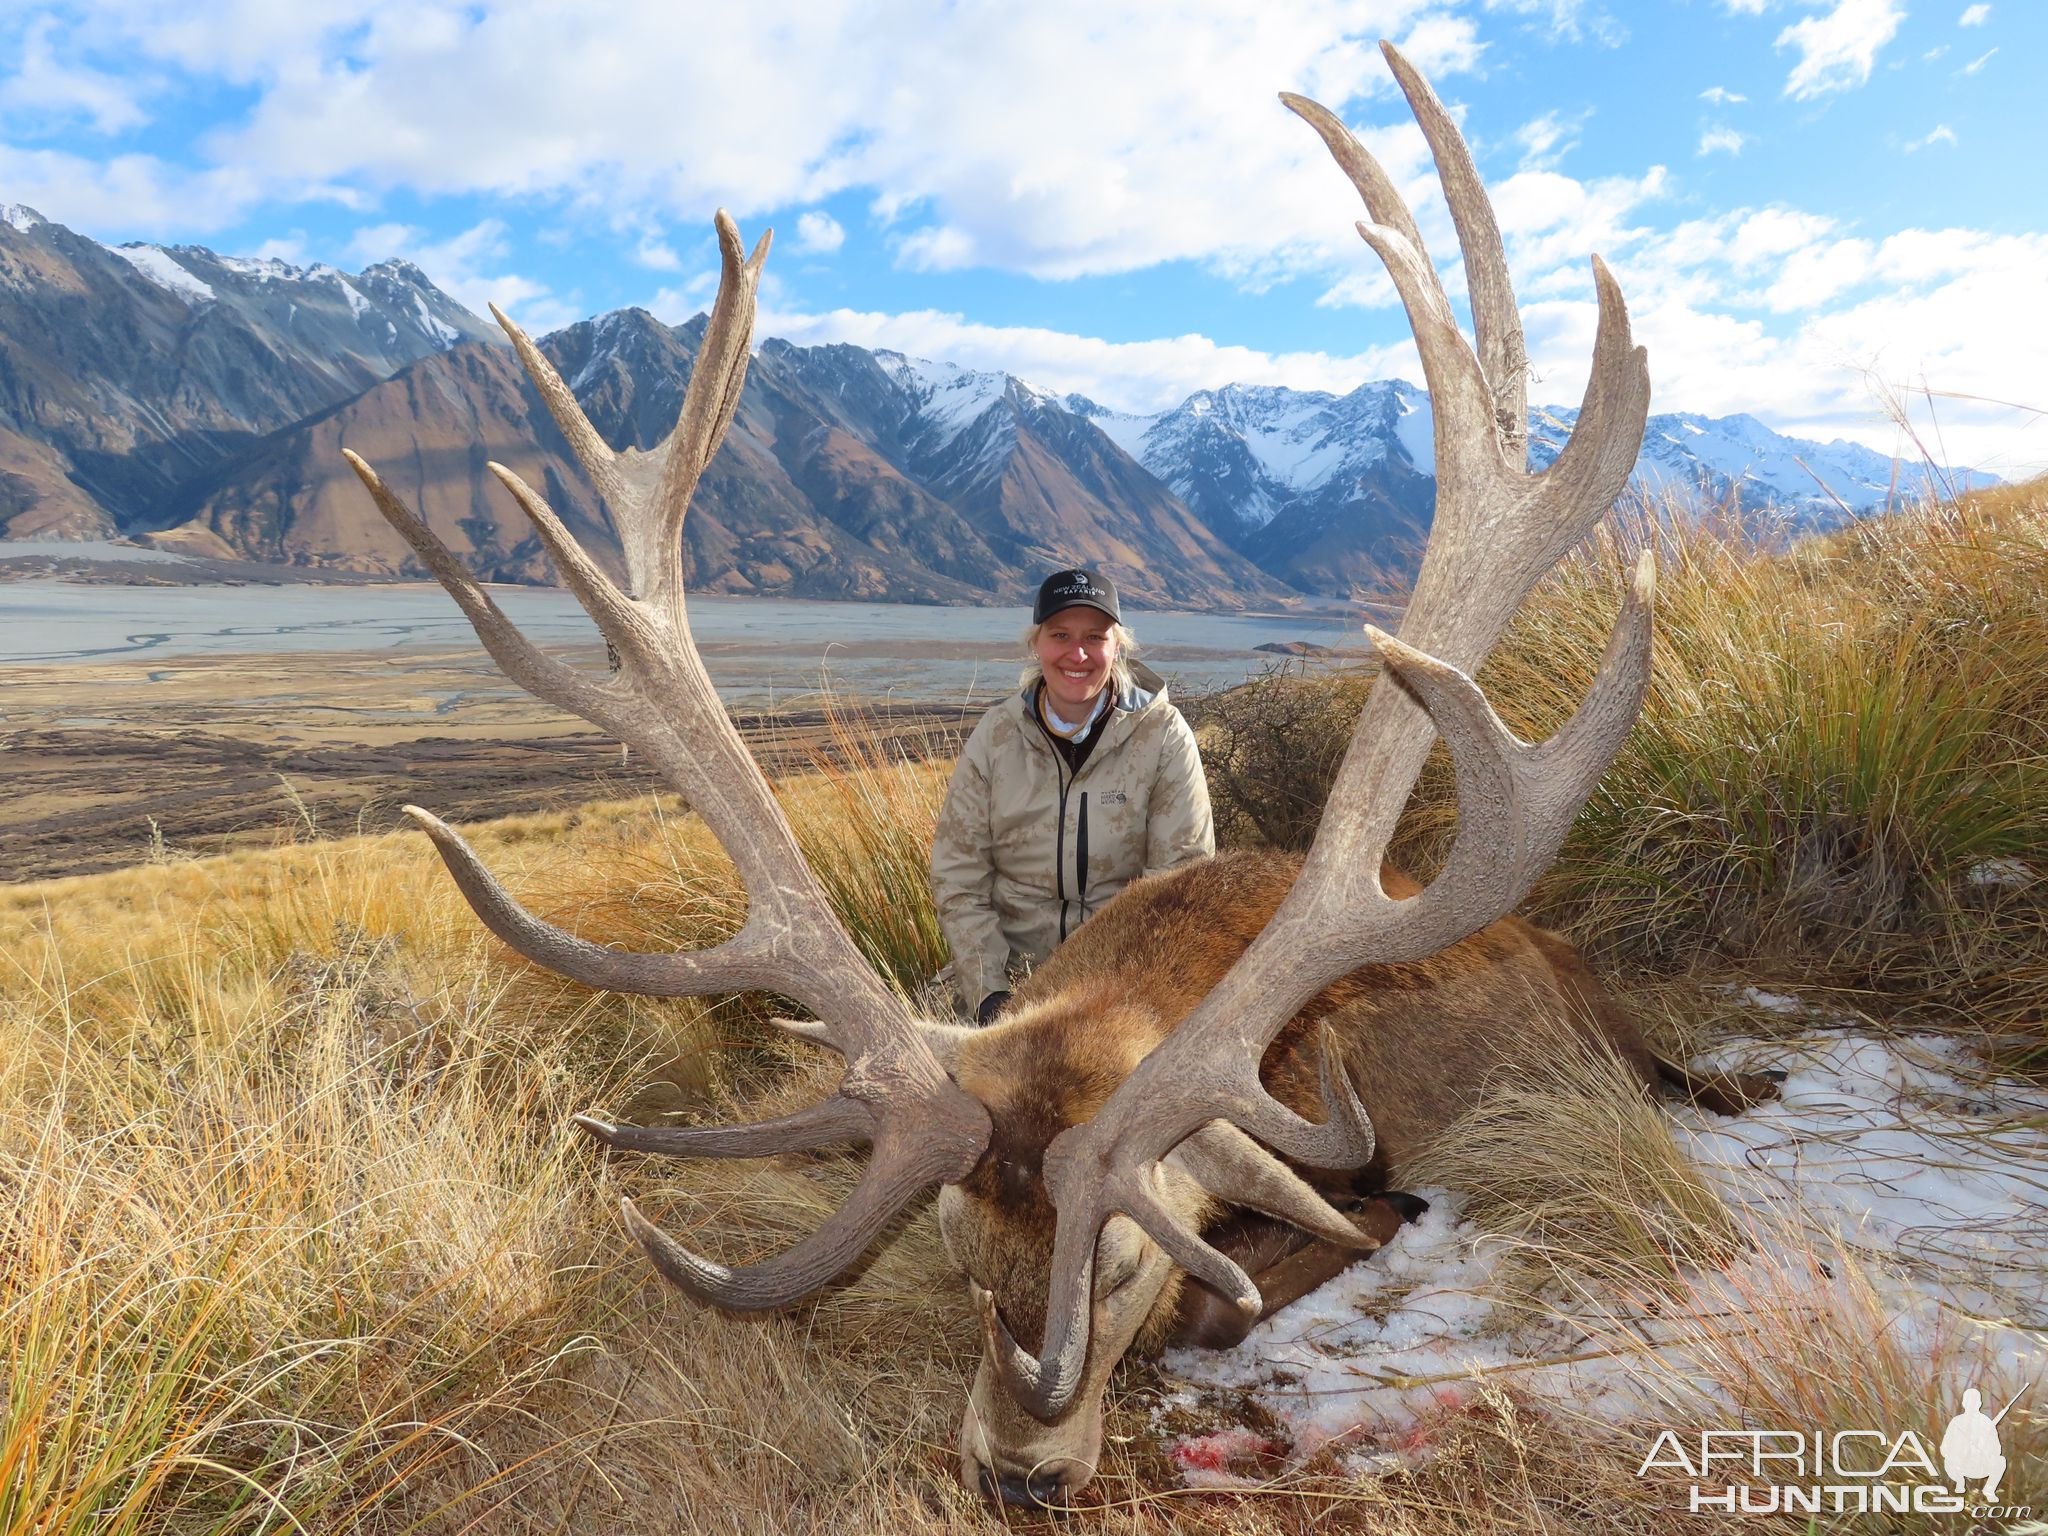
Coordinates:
1079	1163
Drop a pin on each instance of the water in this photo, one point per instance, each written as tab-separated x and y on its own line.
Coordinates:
755	647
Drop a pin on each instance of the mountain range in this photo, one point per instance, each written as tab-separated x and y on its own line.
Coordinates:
199	403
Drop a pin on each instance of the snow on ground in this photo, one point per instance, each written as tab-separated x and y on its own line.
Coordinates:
1900	1151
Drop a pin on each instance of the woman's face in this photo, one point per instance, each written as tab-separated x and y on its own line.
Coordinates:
1075	652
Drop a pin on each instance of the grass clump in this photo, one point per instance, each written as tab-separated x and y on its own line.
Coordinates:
1572	1162
1840	777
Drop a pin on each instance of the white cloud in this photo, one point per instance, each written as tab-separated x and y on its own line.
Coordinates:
656	254
1745	7
290	249
1816	273
1546	140
817	232
1125	375
1440	45
1015	147
1941	133
457	266
1721	139
1568	20
1974	16
47	85
1721	96
1775	312
1977	63
1838	50
126	196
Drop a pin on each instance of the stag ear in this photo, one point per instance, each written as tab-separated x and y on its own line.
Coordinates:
944	1041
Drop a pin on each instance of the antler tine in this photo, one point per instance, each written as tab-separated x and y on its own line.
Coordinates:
894	1094
1496	322
522	661
1497	530
903	1164
713	399
592	451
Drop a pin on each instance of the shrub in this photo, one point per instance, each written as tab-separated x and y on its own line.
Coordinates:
1271	749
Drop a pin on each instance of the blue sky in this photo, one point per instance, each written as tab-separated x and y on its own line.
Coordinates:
1809	203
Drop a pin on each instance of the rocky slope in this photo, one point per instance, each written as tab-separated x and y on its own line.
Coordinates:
201	402
129	376
846	475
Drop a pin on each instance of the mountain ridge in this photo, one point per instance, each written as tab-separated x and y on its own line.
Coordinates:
200	402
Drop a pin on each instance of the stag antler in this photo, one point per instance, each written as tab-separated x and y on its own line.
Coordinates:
1498	529
922	1128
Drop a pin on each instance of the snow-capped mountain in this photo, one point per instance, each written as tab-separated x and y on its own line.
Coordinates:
847	474
130	374
1331	492
1739	460
202	400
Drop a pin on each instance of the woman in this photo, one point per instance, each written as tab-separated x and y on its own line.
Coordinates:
1066	793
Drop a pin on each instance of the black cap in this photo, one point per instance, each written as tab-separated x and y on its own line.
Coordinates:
1075	589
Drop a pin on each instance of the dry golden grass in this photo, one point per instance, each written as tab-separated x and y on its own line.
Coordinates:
1840	778
303	1242
298	1237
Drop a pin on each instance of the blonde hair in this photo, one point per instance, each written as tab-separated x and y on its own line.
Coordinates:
1119	669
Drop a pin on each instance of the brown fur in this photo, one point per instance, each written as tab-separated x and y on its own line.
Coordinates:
1420	1039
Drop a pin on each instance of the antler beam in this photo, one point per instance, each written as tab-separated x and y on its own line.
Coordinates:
1497	530
894	1095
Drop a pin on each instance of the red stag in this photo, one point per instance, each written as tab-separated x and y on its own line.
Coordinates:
1148	1098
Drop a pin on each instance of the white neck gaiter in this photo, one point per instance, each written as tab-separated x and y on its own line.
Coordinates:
1060	727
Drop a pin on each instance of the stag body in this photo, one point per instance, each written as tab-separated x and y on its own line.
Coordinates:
1421	1040
1196	1047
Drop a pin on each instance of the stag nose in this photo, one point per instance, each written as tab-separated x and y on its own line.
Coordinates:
1032	1490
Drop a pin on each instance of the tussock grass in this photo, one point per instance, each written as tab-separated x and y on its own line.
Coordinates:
1840	778
296	1236
1575	1165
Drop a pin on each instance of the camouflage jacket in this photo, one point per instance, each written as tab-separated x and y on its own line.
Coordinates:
1026	849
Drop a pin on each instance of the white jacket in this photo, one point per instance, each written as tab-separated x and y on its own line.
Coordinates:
1026	850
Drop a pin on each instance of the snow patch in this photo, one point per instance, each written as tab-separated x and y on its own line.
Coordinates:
264	269
21	216
432	324
1415	430
1125	430
1901	1151
2001	874
948	398
161	268
358	304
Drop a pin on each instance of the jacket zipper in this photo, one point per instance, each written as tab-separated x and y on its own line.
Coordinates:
1059	855
1081	857
1059	863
